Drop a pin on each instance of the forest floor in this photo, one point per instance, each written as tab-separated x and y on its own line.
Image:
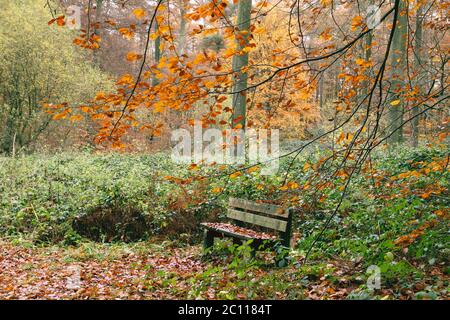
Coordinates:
119	227
153	271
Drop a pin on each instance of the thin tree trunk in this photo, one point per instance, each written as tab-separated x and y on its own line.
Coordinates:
417	64
398	64
321	98
157	51
98	14
182	35
368	56
13	153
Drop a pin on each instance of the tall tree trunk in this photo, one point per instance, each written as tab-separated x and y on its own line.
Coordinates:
417	64
182	35
321	97
398	63
241	61
98	14
157	52
368	55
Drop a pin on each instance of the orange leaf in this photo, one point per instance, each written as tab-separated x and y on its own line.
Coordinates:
217	190
131	56
356	22
126	79
76	117
235	175
139	13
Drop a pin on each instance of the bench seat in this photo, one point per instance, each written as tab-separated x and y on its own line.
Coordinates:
238	232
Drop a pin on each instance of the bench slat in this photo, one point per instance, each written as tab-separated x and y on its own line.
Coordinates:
271	223
230	233
266	208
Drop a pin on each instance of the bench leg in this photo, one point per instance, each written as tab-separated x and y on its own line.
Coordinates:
237	241
254	247
208	240
253	253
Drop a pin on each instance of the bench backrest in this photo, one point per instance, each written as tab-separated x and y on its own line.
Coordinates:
268	216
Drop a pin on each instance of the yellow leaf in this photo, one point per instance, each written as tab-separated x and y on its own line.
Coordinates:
360	61
76	118
306	167
126	33
253	169
260	30
395	103
356	22
126	79
229	52
100	96
325	3
193	166
59	116
293	185
326	35
154	36
139	13
425	195
217	190
235	175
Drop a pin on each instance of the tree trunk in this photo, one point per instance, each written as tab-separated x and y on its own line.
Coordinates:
182	35
241	61
157	51
98	14
321	97
368	56
398	63
417	64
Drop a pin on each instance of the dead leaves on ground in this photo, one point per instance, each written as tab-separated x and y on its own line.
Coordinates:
46	274
159	272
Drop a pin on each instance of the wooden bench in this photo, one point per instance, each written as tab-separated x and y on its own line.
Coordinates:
274	225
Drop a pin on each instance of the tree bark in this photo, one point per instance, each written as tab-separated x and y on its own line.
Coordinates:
182	35
157	51
398	64
98	14
417	64
240	61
